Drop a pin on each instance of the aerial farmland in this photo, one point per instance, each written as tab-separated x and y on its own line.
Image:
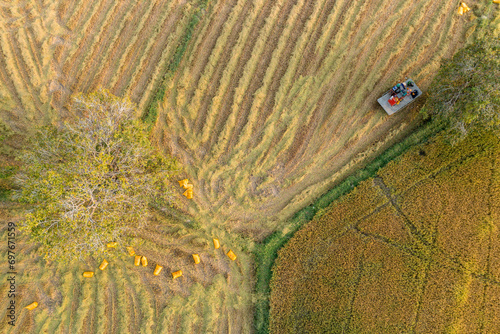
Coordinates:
285	187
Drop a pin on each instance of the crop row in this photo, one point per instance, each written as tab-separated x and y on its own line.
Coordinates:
50	51
210	297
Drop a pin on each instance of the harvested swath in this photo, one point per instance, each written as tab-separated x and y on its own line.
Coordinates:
84	308
158	56
21	69
109	32
259	65
303	14
222	37
129	29
246	108
247	45
110	311
204	43
81	15
130	62
52	50
91	27
153	15
7	80
30	48
91	41
66	9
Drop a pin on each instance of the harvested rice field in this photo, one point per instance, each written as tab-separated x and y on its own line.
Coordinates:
275	101
265	104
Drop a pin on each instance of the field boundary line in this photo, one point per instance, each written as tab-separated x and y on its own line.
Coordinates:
354	292
414	231
266	253
421	295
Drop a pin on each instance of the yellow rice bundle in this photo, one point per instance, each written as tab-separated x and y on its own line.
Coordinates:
32	306
88	274
231	255
157	270
189	193
177	274
130	250
103	265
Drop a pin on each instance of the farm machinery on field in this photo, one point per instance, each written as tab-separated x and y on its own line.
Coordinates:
399	96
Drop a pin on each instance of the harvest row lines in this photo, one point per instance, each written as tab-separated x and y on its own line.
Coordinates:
124	298
54	51
256	101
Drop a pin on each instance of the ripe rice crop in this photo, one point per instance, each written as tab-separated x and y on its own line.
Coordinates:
423	260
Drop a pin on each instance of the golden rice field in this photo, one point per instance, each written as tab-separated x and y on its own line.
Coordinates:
272	103
412	250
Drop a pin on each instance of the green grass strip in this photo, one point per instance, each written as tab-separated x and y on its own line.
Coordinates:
151	113
267	252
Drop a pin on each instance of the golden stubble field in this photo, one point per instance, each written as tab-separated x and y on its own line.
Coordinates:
413	249
50	50
276	100
270	105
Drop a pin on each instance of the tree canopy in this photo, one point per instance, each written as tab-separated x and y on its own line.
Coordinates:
466	91
92	180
